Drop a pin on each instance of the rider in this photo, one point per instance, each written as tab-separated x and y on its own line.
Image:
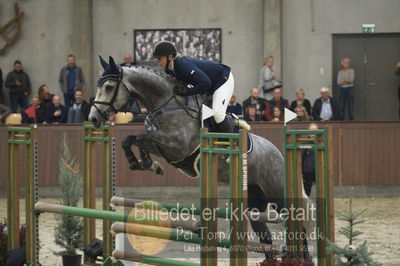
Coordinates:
204	76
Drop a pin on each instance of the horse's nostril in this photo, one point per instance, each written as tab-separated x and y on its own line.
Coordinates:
94	120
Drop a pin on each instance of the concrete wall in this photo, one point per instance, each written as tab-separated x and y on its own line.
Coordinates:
45	41
239	20
298	33
53	29
307	28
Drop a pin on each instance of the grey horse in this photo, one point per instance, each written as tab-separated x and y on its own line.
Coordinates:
172	130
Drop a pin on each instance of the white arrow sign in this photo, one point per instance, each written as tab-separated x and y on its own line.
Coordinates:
206	112
289	115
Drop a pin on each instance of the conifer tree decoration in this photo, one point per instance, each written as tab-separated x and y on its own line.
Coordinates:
351	254
69	229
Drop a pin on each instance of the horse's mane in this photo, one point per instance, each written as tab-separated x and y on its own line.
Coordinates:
158	72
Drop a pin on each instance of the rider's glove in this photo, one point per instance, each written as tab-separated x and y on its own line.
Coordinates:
180	90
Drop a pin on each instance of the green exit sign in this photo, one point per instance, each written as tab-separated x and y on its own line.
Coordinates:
368	28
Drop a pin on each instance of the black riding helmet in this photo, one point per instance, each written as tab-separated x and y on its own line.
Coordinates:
164	49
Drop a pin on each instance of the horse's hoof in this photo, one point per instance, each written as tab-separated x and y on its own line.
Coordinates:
135	166
157	168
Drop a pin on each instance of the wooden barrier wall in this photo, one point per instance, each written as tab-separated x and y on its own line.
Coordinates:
364	153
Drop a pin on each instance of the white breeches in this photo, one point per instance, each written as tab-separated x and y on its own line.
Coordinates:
221	97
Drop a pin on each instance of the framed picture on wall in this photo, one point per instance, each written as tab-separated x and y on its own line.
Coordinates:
204	44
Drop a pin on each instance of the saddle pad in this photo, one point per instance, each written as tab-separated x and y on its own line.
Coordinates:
190	166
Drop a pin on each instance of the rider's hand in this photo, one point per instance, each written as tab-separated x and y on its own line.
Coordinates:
180	90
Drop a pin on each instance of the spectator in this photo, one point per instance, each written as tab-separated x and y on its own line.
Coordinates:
44	94
70	79
19	86
325	107
1	86
276	101
79	110
29	115
398	89
302	114
308	163
127	60
56	112
234	107
45	99
252	116
345	80
300	100
254	100
277	114
268	81
4	112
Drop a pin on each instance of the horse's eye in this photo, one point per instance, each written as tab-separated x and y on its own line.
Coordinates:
109	88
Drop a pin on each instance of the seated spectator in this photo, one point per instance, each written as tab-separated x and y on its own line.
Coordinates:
234	107
29	115
300	100
277	114
44	94
254	100
45	99
79	110
276	101
4	112
252	114
325	108
56	112
302	114
127	60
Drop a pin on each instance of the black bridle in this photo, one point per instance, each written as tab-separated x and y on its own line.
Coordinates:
110	104
111	108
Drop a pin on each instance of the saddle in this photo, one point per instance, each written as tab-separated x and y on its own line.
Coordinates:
190	165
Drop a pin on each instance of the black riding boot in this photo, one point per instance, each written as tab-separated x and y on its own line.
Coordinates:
227	125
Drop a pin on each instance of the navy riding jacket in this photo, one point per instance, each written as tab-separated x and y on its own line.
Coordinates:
204	76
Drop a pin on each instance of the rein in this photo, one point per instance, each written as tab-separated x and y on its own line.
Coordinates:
152	114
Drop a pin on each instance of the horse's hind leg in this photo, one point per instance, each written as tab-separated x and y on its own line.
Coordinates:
127	143
257	201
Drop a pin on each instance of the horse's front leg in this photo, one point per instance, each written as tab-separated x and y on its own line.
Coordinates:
149	142
134	163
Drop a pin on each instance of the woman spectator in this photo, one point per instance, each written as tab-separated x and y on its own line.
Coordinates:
268	81
302	114
345	80
44	94
252	114
300	100
277	114
45	99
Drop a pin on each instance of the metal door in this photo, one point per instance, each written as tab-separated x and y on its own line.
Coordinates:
373	57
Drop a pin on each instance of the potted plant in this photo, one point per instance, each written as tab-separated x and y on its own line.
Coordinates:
69	229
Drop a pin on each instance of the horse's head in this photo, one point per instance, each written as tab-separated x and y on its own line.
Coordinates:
112	93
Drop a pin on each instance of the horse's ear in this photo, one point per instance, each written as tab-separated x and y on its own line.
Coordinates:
113	66
103	63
